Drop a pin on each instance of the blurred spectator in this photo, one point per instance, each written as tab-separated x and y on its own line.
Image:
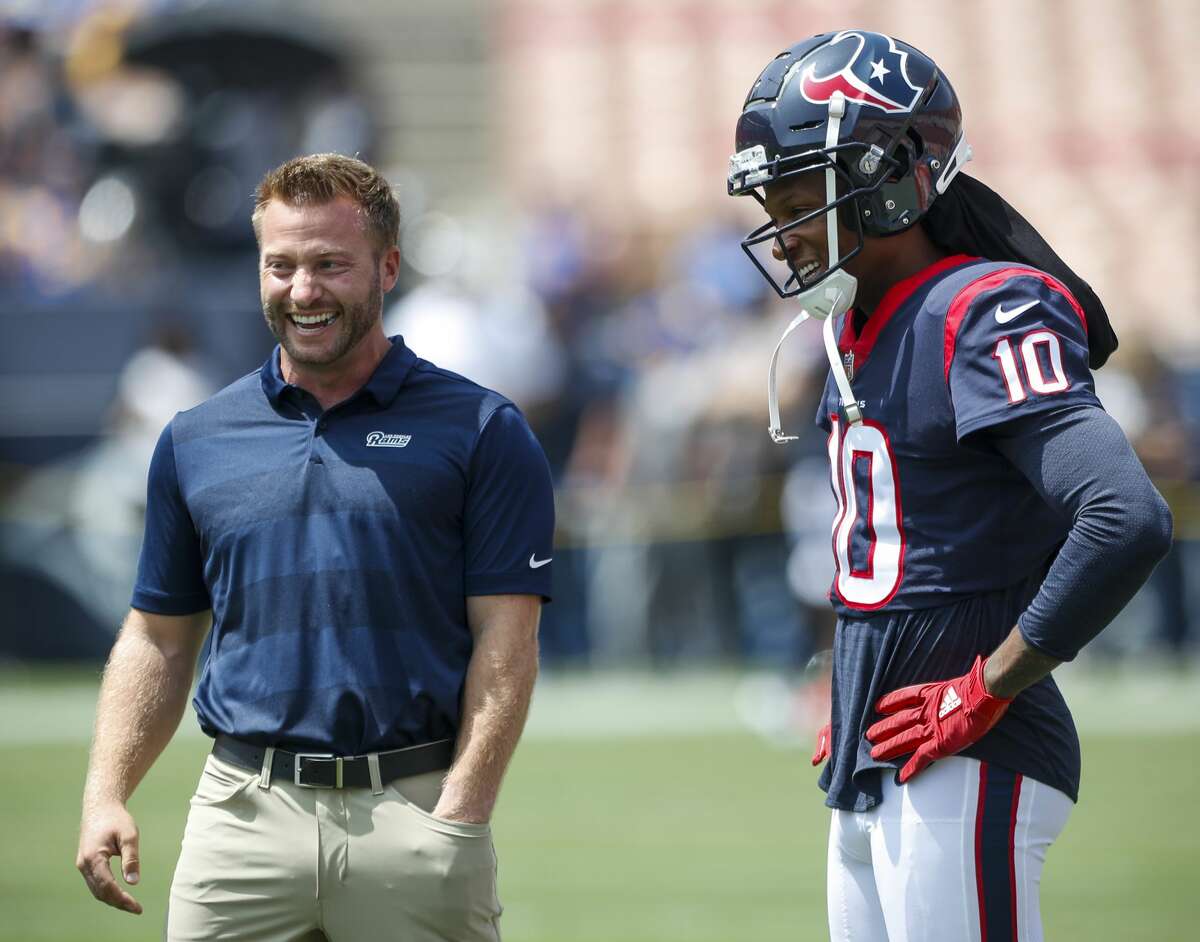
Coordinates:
46	155
503	341
635	339
131	137
673	489
1144	395
73	548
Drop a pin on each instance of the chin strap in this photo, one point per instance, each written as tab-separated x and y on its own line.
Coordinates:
954	163
826	301
853	412
849	403
776	429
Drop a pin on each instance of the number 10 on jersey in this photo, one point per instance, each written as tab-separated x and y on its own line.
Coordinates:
868	533
1040	380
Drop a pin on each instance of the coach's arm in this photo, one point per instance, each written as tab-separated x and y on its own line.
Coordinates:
142	698
496	696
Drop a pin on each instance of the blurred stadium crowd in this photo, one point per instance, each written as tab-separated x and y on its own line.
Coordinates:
636	341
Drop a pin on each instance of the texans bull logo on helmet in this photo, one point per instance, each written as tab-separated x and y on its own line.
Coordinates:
896	147
873	75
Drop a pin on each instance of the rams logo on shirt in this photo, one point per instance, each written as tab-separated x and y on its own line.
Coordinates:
387	440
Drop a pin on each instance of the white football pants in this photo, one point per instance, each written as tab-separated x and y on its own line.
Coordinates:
955	855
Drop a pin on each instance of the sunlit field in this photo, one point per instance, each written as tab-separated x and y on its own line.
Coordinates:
643	809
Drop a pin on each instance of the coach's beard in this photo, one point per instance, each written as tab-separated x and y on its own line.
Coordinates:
353	322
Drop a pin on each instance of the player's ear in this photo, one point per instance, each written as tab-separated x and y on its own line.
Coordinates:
389	269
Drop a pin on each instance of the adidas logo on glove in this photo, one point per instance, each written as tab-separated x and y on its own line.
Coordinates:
950	702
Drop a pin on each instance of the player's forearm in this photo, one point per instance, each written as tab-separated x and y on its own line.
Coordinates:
142	699
1014	666
496	697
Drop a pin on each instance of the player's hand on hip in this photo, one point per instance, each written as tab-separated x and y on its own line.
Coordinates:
821	753
935	720
109	831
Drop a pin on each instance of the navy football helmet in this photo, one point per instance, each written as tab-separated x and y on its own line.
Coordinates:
883	124
896	144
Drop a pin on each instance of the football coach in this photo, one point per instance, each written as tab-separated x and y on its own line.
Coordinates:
369	537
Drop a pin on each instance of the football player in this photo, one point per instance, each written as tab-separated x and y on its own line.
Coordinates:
992	518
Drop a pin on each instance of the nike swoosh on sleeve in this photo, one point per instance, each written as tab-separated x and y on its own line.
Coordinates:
1003	316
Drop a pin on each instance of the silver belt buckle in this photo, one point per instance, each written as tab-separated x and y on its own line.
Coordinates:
301	756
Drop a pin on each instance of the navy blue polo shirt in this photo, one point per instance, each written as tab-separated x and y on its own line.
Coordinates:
337	549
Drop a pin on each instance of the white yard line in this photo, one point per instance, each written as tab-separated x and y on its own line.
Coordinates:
688	703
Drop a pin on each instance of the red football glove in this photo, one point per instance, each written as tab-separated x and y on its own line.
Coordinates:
821	753
933	721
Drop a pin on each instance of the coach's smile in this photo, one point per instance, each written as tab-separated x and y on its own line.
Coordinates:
313	323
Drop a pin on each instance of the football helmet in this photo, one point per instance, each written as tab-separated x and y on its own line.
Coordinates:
882	122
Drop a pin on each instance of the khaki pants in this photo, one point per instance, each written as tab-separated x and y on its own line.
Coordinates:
293	863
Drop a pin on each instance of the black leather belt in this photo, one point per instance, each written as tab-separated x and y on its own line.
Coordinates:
323	770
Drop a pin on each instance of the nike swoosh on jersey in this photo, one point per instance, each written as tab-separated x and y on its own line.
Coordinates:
1003	316
535	563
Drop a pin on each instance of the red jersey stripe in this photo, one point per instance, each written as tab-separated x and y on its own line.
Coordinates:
964	298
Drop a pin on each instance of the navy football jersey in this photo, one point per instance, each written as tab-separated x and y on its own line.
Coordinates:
939	542
925	516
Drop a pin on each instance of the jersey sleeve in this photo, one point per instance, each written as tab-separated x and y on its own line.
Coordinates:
170	575
1082	465
1015	345
509	520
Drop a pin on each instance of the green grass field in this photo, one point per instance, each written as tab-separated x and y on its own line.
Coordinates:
635	832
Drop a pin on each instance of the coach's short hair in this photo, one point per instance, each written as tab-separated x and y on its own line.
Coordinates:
321	178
